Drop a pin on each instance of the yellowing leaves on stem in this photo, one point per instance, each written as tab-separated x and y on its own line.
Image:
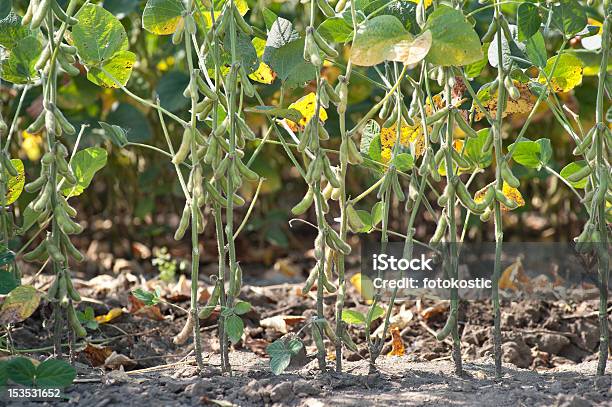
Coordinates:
513	194
161	17
410	136
19	304
522	105
306	105
241	5
427	3
263	73
567	74
32	145
15	184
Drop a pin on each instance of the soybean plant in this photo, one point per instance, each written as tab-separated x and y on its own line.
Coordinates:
56	177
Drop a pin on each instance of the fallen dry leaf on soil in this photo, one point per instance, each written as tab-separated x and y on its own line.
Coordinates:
19	304
435	310
109	316
397	345
137	307
96	354
400	320
281	323
514	278
116	360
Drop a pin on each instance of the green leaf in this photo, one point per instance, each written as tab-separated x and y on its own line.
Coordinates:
98	36
403	161
335	29
568	16
162	16
294	345
473	149
474	69
242	307
378	312
526	153
377	213
528	20
375	149
288	63
15	184
536	50
19	304
280	362
353	317
147	297
245	52
170	90
5	8
19	66
567	74
11	31
276	348
269	18
234	328
4	364
366	218
115	134
85	164
545	151
454	40
292	114
572	168
22	371
509	50
54	373
7	282
385	38
118	67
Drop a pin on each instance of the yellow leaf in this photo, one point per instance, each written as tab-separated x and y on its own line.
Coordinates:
397	345
15	184
363	285
513	194
31	145
241	5
521	106
426	2
263	74
109	316
306	105
19	304
567	74
513	277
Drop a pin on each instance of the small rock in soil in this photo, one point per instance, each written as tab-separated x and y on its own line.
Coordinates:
552	343
517	353
282	391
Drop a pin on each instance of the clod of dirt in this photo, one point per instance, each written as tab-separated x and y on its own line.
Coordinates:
282	392
552	343
518	353
304	388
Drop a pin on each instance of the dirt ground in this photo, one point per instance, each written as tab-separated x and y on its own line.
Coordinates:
399	382
550	351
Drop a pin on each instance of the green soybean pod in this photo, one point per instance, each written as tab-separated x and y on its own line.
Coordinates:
440	229
43	198
316	336
183	223
38	254
177	36
326	8
306	202
580	174
61	14
54	251
215	195
488	36
74	323
339	244
331	93
340	6
71	250
205	90
323	45
237	281
312	277
247	86
466	198
459	160
311	49
488	144
508	176
27	18
248	173
464	126
43	58
184	148
437	116
241	23
327	284
190	25
503	199
329	173
397	188
72	292
354	156
37	125
450	324
353	218
39	14
244	127
8	165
